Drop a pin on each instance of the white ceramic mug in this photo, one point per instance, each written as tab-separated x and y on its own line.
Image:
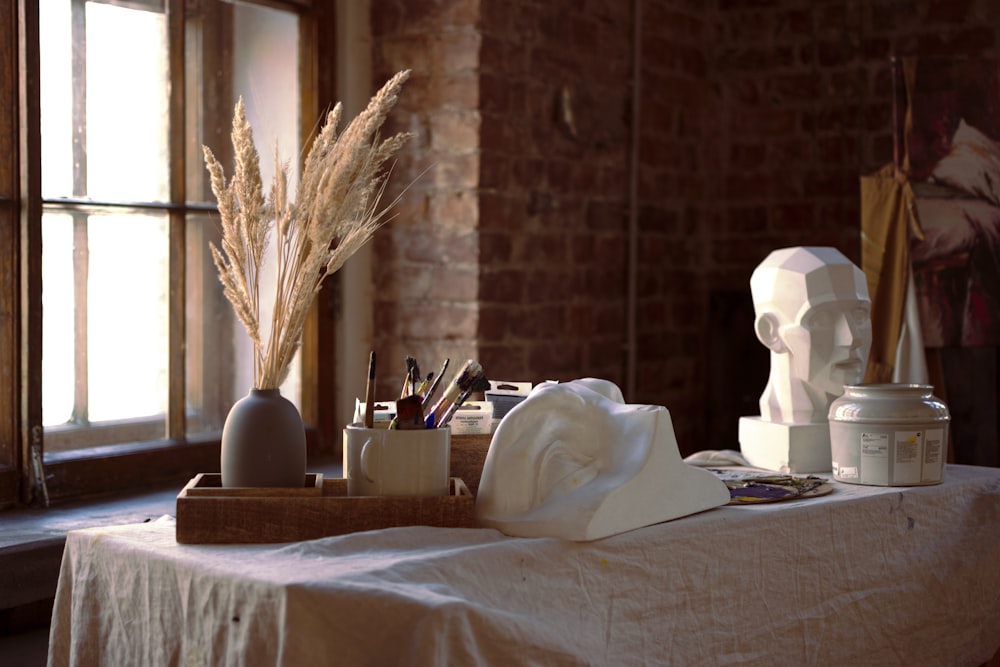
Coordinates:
397	462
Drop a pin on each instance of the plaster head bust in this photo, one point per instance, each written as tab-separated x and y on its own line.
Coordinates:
574	461
813	313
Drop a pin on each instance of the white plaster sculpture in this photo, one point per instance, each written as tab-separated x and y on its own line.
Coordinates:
574	461
814	314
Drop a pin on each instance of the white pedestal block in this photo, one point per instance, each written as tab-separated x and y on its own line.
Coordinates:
786	448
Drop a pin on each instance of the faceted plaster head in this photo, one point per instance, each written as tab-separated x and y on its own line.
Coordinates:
814	314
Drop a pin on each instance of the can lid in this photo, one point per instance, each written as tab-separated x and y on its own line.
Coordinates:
888	404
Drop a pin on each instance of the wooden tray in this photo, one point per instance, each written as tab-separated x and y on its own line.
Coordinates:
468	453
207	513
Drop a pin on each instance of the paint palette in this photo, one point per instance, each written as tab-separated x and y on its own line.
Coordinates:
752	488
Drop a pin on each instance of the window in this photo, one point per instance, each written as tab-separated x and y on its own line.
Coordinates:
112	318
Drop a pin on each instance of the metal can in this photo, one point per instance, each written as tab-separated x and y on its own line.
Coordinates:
888	435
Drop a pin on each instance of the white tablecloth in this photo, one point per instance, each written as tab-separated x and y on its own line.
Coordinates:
866	575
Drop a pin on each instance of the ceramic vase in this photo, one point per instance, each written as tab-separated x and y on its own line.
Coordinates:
263	442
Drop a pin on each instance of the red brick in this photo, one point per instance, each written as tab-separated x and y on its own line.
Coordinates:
745	154
457	207
454	131
501	286
604	215
494	248
493	323
795	88
948	11
968	42
560	359
456	50
425	91
456	171
429	320
543	249
764	122
744	221
508	360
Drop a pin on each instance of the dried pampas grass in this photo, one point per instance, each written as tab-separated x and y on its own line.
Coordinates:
335	214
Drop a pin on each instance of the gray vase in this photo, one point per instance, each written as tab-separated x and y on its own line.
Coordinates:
263	442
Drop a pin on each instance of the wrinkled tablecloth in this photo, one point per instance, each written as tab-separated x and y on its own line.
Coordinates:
865	575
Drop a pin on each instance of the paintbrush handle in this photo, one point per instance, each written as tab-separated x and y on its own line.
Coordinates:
450	411
437	382
370	393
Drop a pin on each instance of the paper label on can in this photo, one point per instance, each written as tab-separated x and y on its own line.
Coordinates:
907	464
874	458
875	444
933	451
846	472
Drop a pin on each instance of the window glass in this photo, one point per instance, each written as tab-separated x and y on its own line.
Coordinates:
127	316
57	324
56	92
126	133
104	101
105	325
106	262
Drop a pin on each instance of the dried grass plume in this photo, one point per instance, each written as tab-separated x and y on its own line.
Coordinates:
336	212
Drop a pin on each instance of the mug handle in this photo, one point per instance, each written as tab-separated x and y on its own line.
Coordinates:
365	458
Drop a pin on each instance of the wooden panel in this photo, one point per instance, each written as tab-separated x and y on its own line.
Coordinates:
468	453
9	104
29	573
9	262
177	341
317	45
30	245
120	468
117	468
210	486
9	481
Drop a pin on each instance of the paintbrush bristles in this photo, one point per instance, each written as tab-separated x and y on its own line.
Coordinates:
335	214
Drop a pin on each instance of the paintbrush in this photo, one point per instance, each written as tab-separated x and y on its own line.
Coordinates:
437	381
479	383
409	414
409	380
462	381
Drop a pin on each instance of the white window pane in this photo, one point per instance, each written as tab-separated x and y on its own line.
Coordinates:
56	91
128	324
58	376
127	104
266	74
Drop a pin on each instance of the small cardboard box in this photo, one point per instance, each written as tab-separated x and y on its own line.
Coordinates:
504	396
385	412
472	417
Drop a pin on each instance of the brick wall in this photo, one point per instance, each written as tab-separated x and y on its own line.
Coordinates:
678	210
427	258
756	119
553	197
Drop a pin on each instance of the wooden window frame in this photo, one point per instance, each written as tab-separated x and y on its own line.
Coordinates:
112	468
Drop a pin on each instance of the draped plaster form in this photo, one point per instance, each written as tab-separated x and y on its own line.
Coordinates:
574	461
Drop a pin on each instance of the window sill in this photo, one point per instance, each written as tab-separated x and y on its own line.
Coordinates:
32	540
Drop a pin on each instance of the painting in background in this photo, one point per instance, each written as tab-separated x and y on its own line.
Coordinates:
954	154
